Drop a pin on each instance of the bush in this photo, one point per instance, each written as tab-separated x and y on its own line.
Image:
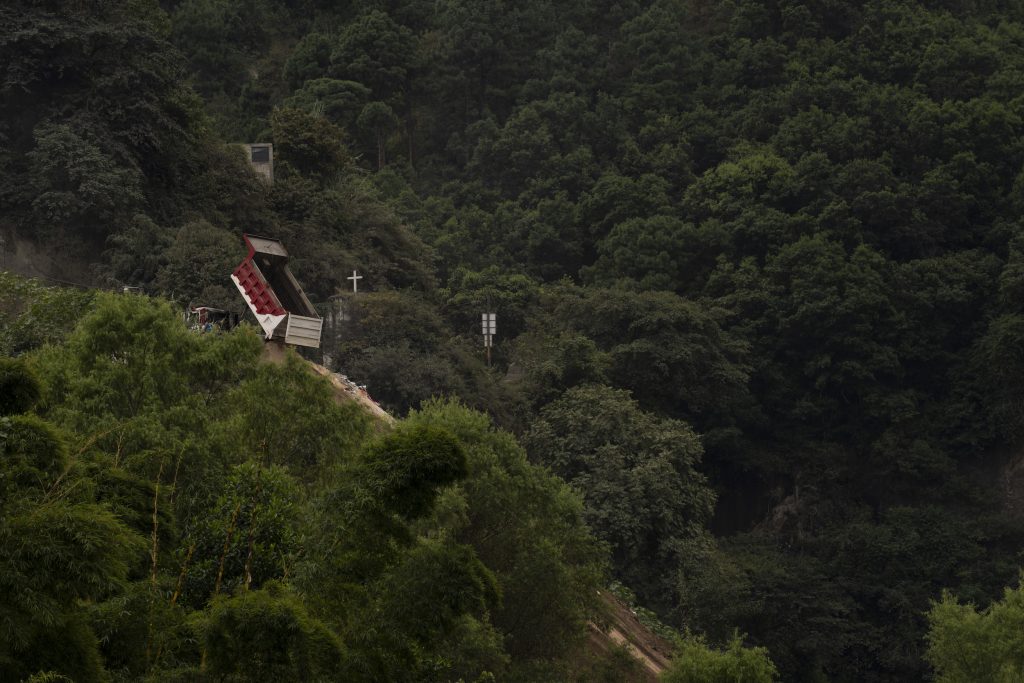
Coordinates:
19	388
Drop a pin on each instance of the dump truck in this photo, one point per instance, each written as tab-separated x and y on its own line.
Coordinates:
274	295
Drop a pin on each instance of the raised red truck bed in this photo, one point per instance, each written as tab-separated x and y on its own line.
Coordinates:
274	295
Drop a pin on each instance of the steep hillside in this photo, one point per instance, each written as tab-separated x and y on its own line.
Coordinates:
616	627
756	266
218	508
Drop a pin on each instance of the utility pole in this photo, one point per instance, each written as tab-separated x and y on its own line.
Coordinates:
489	325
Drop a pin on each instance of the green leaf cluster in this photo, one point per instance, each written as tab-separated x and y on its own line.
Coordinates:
965	643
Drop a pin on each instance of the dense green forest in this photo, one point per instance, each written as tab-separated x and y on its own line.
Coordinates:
755	266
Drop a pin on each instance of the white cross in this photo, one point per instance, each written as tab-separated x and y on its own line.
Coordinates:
355	281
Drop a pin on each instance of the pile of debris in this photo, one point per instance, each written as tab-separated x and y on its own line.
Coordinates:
357	392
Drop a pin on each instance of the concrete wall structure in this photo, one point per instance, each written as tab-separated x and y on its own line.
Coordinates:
261	158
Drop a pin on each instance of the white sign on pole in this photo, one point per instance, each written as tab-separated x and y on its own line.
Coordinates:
489	327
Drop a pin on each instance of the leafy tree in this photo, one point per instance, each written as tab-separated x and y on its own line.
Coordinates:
268	634
409	465
140	632
837	322
547	565
60	548
377	117
992	359
554	364
248	537
438	593
311	144
303	428
337	100
965	644
637	476
663	349
132	384
376	51
371	238
400	602
75	182
752	581
695	662
32	314
309	59
124	362
198	263
615	199
215	35
645	252
92	127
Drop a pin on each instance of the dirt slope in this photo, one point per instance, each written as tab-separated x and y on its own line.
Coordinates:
344	389
621	628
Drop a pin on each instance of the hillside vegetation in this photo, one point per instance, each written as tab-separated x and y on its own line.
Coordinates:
757	268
